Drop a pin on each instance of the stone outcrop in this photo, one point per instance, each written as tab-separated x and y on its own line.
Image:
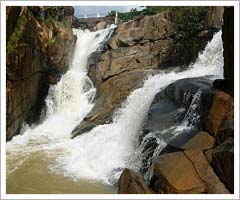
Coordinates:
169	175
192	161
92	24
39	41
132	183
139	47
219	122
201	161
215	16
228	46
185	172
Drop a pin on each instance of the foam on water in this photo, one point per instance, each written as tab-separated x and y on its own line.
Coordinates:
103	152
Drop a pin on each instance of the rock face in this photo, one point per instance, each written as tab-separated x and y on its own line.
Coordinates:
215	16
166	179
39	41
139	47
228	46
200	141
219	122
199	160
132	183
185	172
222	161
190	162
93	24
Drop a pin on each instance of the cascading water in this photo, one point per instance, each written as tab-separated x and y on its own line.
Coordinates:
102	153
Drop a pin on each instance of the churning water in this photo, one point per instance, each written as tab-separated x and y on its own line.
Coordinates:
101	154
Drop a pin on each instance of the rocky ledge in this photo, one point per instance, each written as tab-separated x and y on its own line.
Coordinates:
39	41
199	160
144	46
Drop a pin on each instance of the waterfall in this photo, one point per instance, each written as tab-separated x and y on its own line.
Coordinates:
102	153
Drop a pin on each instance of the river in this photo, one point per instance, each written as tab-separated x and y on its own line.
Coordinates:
44	158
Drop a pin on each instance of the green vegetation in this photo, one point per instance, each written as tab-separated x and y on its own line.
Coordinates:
17	34
54	41
148	10
187	23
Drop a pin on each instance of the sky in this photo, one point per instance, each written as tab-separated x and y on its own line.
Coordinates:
92	11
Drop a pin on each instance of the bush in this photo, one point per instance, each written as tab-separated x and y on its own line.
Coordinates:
187	23
149	10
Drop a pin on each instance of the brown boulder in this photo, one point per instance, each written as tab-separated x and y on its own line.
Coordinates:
185	172
219	122
100	25
175	173
212	183
200	141
132	183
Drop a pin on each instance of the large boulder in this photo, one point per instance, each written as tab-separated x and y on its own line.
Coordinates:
185	172
213	185
132	183
174	173
100	25
220	120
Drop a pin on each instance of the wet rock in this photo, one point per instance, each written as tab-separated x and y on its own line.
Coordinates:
109	97
171	107
219	122
132	183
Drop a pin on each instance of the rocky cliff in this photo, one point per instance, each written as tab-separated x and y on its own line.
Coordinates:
199	160
144	46
39	40
228	44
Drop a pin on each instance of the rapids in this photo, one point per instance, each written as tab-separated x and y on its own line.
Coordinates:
96	157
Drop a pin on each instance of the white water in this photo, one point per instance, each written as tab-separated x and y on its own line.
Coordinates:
101	153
